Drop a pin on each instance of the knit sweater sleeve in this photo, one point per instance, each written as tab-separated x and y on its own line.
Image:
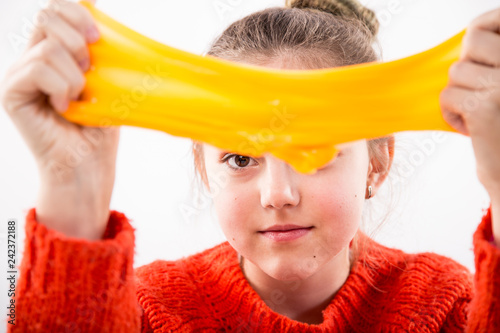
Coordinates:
71	284
484	309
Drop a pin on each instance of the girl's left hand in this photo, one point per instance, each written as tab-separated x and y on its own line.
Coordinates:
471	101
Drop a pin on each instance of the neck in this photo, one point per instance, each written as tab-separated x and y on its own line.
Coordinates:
301	300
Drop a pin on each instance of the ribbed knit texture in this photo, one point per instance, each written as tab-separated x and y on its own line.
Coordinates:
74	285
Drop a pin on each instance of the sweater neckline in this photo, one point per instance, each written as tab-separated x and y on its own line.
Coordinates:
259	310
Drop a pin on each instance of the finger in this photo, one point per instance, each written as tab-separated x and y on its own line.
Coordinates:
59	59
91	1
469	75
39	76
489	21
454	108
482	47
78	17
71	39
41	19
52	53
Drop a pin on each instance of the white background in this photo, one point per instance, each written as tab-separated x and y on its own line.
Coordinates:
435	201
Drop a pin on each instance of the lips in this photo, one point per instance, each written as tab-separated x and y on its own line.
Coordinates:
284	227
286	232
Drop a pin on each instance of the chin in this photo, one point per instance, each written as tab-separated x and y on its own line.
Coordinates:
290	269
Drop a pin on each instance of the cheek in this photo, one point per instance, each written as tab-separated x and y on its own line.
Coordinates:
234	207
340	199
337	208
234	201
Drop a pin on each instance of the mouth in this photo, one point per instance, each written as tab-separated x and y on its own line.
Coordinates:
284	227
284	233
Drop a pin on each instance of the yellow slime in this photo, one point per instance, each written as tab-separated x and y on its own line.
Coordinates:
299	116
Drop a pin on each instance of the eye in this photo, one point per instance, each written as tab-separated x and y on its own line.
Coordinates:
237	162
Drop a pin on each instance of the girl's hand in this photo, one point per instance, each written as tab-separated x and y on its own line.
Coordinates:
76	163
471	103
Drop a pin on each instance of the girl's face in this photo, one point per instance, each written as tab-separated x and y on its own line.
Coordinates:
319	213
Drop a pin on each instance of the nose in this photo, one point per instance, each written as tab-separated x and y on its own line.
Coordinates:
278	185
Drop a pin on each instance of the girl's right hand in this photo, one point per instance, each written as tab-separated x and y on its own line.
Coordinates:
76	163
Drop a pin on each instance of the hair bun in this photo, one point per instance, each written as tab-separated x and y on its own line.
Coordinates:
342	8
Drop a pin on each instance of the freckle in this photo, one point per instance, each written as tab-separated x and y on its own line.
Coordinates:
355	195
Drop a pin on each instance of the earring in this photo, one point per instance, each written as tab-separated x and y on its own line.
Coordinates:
369	191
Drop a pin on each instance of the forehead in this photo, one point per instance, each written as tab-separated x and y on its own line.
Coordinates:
209	150
293	60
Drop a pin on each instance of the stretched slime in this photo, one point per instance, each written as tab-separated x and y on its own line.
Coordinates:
299	116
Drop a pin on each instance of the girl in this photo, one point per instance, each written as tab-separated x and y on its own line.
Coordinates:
294	259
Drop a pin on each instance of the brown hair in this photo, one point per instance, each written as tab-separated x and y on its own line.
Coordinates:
313	33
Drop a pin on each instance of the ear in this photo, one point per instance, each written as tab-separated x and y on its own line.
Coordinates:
381	157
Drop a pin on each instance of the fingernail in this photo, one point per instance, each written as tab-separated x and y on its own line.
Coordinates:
92	34
84	64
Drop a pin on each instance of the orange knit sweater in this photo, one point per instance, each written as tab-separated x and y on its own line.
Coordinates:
75	285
